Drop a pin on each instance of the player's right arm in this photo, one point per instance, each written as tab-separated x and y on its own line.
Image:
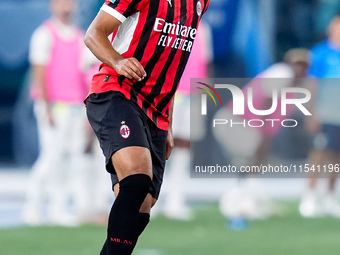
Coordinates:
96	39
39	54
39	80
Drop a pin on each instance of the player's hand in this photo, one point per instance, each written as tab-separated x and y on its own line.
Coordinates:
130	68
169	144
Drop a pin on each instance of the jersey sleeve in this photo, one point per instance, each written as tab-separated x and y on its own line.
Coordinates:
120	9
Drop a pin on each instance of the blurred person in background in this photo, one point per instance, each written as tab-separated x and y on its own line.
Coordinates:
325	124
325	11
249	199
297	63
58	58
277	76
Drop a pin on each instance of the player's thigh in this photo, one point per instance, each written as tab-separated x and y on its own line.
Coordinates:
121	128
132	160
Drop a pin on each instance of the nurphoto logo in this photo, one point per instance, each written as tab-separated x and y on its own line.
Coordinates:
242	102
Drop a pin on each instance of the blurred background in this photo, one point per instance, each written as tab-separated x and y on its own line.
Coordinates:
241	39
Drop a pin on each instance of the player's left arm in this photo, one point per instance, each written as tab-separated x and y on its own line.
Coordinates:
170	138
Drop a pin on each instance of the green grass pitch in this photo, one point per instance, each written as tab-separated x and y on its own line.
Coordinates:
207	234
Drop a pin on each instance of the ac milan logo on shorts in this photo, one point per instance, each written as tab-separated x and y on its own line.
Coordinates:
124	130
199	8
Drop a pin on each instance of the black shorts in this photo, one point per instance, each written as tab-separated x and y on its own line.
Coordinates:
119	123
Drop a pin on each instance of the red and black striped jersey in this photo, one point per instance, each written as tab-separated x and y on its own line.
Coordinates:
160	35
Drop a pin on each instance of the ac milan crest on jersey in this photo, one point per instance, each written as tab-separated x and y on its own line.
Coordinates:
124	130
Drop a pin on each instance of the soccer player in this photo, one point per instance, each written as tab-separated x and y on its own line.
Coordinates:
130	101
58	59
326	124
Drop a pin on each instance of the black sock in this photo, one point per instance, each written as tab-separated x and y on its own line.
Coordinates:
124	216
104	249
143	220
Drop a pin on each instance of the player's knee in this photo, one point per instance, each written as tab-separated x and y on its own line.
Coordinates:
139	183
133	191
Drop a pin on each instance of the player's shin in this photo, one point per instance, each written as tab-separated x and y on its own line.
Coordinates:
123	226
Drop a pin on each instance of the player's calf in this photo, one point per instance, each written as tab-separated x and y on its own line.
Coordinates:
123	228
